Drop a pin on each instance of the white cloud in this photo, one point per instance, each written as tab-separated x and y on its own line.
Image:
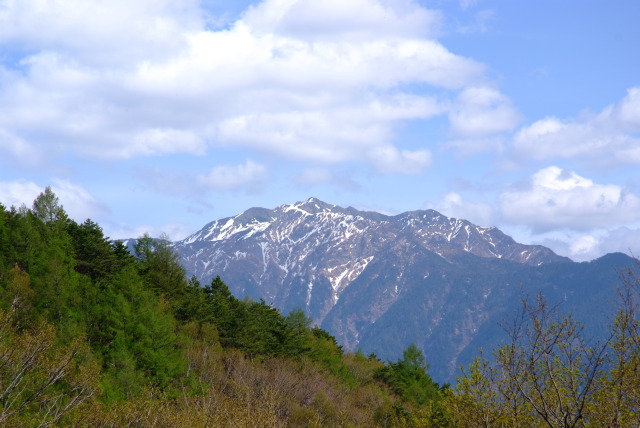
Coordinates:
593	244
621	239
343	20
333	135
629	109
18	149
584	245
453	205
113	32
165	141
175	231
314	175
297	78
609	136
388	159
18	193
557	198
249	175
472	146
77	202
479	118
482	111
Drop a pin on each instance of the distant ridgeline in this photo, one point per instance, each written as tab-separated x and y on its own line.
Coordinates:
94	334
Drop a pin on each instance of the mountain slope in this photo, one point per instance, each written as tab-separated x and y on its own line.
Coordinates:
380	282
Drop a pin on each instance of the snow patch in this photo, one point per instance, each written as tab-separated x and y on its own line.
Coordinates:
309	290
296	208
345	274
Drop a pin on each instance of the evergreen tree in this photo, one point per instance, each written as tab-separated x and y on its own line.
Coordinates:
226	312
161	269
409	378
93	252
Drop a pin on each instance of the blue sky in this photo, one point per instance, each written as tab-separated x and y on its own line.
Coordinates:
159	116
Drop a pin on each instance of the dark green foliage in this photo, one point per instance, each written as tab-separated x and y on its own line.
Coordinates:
95	257
160	266
264	331
409	378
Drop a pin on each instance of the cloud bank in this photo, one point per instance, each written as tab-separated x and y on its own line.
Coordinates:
611	136
555	198
320	82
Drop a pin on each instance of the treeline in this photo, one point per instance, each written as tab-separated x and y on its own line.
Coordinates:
91	335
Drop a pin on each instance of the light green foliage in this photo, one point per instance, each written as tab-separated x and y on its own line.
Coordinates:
484	397
41	383
617	398
47	209
545	375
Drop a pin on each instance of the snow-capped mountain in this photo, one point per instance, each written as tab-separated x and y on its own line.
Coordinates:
307	254
380	282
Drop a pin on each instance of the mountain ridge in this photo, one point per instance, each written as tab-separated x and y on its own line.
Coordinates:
303	226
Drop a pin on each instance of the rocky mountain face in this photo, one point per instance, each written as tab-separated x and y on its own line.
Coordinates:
380	282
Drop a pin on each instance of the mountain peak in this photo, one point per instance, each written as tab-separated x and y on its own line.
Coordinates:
310	206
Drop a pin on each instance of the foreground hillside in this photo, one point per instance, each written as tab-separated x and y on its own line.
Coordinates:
91	335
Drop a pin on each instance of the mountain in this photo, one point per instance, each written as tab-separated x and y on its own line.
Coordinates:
380	282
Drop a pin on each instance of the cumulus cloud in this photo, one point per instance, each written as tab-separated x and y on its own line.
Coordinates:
18	193
628	111
482	111
77	202
453	205
609	136
590	245
334	135
249	175
388	159
300	79
479	118
556	198
99	33
585	244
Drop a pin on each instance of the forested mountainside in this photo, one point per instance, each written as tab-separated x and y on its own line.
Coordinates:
379	282
91	335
